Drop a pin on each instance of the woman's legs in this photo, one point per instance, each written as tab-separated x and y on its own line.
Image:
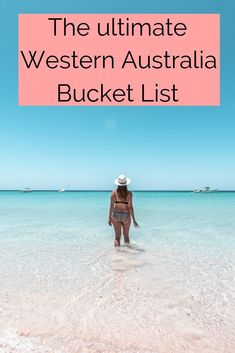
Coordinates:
118	232
126	228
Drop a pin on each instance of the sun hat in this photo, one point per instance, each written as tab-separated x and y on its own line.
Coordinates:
122	180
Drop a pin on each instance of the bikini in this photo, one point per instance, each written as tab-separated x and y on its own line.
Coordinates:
120	215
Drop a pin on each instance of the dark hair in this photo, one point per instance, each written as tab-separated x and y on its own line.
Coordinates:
122	192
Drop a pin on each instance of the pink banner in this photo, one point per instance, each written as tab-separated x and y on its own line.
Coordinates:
121	59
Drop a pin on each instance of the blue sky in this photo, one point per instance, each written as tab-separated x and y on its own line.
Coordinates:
87	147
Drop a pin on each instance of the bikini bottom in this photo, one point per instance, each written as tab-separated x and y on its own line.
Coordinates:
120	216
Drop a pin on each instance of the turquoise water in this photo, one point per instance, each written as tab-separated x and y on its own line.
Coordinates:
65	288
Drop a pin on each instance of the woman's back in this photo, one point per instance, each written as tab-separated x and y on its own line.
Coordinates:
121	202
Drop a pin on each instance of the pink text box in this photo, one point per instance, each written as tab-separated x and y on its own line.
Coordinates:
128	86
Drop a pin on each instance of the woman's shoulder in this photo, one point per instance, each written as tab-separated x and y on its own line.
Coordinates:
129	193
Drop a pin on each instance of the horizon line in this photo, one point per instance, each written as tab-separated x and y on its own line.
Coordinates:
107	190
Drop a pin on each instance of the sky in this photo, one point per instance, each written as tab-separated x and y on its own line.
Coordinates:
87	147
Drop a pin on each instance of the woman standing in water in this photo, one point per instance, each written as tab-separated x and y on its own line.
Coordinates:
121	210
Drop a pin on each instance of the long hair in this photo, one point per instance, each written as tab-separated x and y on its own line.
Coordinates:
122	192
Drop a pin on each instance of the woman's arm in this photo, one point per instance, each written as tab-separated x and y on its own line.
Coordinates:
131	210
111	208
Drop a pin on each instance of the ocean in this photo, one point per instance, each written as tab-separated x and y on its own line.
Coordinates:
64	288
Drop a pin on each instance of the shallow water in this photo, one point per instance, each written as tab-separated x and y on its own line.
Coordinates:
64	287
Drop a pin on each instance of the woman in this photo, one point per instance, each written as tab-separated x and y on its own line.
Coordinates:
121	210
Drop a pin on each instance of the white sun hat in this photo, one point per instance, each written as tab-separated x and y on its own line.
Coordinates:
122	180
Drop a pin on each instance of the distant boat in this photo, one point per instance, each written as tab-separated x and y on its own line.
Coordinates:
26	190
206	189
61	190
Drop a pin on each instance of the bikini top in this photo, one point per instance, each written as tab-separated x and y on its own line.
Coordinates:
115	199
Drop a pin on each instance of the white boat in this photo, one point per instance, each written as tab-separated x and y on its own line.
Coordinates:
26	190
61	190
206	189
